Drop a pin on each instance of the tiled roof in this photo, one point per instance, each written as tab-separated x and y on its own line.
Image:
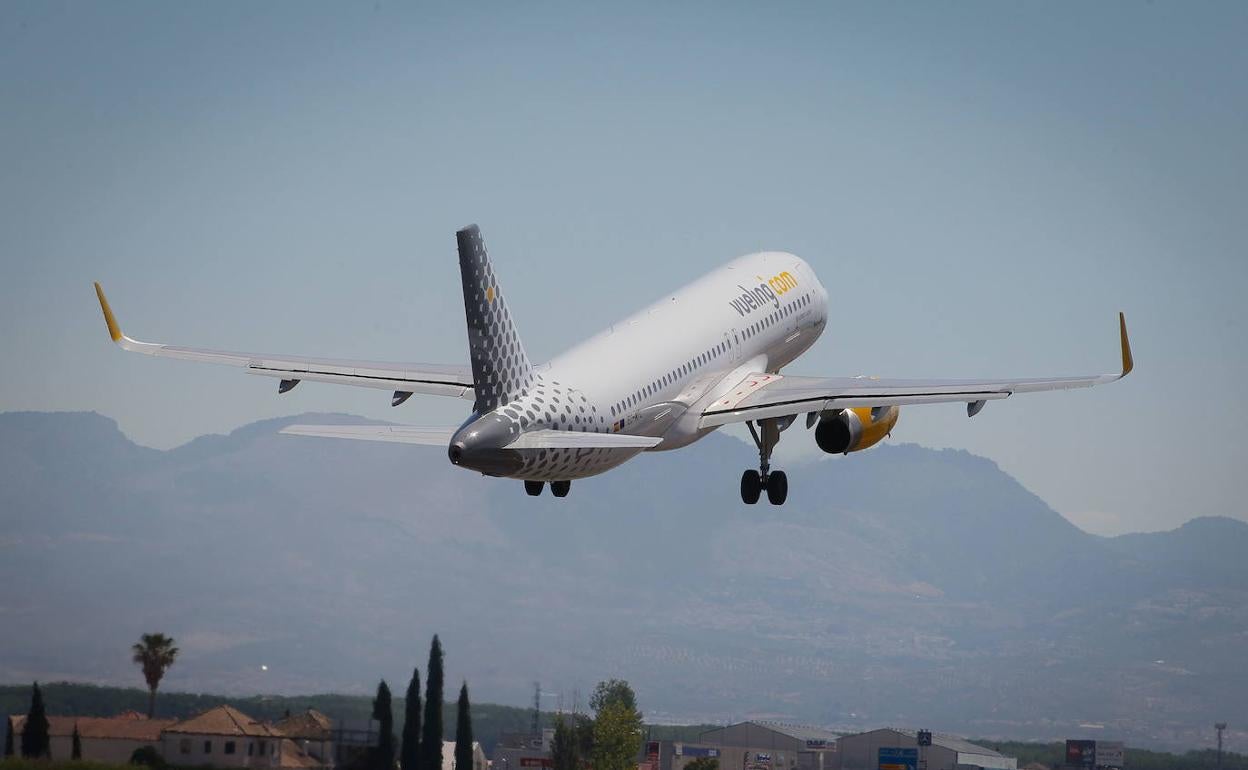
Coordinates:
224	720
124	727
293	756
310	724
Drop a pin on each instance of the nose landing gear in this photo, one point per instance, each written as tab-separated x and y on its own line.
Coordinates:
753	482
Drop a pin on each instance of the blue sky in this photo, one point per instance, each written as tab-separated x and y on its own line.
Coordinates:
981	187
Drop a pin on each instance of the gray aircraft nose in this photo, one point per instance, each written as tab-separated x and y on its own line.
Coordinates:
479	445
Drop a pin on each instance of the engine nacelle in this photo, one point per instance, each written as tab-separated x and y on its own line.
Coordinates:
842	431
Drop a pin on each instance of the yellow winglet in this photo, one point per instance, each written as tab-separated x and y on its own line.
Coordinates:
114	330
1128	363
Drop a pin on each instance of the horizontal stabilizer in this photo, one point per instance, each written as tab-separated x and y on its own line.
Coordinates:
571	439
398	434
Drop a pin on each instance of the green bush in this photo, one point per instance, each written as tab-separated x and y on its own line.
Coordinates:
149	757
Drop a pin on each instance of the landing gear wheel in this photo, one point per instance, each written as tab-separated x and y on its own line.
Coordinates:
766	434
534	488
560	488
777	487
751	487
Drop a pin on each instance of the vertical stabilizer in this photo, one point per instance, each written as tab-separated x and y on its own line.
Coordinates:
500	368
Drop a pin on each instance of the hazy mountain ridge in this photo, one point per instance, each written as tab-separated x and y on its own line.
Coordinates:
899	570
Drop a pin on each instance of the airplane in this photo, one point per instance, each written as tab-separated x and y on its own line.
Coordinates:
707	355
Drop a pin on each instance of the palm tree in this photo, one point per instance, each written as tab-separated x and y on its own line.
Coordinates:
154	653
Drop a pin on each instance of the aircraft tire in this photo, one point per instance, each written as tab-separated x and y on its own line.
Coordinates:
533	488
777	487
560	488
751	486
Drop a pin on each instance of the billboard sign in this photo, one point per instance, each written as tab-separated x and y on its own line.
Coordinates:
1081	753
684	750
1109	754
898	759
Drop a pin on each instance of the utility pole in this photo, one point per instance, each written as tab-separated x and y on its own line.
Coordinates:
1220	726
537	710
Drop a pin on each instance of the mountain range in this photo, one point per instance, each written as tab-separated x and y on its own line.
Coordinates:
902	585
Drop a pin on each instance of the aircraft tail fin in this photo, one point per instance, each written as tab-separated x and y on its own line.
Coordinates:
500	368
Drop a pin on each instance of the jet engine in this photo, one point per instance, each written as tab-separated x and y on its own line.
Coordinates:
842	431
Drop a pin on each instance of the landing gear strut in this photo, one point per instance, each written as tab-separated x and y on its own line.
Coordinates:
753	482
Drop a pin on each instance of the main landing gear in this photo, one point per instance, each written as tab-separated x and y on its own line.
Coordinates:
557	488
753	482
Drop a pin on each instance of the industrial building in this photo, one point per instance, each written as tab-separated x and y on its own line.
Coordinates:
891	748
761	745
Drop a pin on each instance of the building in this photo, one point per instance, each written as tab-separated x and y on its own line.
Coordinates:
479	761
311	734
896	749
759	745
224	737
523	751
103	739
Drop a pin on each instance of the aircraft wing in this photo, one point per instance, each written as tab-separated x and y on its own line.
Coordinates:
398	434
762	395
404	379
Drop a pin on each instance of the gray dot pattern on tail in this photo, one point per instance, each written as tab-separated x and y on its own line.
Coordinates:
501	369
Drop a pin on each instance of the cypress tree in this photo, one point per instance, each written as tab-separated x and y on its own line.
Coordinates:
409	758
76	750
431	730
383	754
35	741
463	732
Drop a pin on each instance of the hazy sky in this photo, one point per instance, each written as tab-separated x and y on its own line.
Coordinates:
981	187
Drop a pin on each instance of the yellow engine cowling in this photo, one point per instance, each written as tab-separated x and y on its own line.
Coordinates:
842	431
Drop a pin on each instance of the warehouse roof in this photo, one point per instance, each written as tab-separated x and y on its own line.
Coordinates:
806	733
951	742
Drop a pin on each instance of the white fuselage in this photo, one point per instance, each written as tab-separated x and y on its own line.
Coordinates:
654	372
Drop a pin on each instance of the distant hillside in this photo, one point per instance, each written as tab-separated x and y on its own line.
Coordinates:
899	586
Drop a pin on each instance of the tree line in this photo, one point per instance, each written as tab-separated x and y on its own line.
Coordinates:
421	745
